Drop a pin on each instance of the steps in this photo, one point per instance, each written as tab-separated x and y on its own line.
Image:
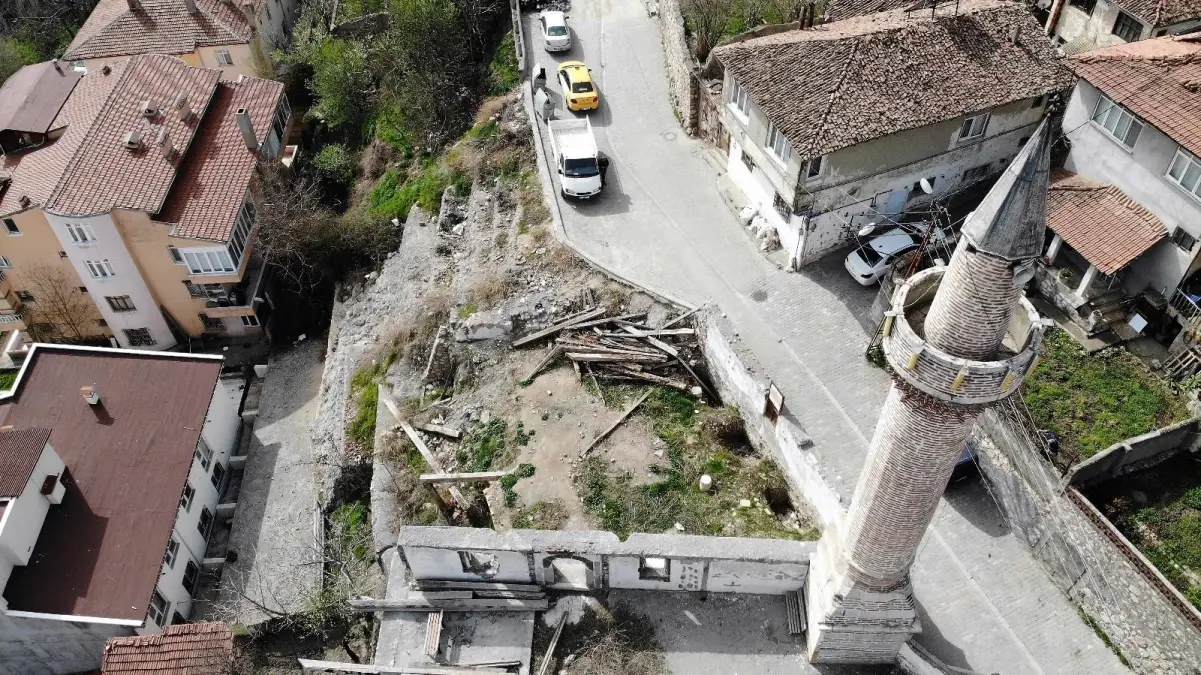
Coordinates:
794	607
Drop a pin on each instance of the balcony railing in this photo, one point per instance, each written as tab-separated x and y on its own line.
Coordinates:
1186	306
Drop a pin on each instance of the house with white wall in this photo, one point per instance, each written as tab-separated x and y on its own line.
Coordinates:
1132	123
1083	25
834	127
112	464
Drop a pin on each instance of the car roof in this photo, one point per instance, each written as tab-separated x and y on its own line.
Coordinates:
576	70
555	18
892	241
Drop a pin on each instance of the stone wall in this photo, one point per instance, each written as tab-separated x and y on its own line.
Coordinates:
1080	555
678	61
1135	454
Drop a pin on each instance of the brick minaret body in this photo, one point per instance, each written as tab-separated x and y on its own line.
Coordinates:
950	357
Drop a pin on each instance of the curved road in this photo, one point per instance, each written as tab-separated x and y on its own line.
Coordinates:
987	606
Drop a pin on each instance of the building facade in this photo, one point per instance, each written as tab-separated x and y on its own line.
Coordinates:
1084	25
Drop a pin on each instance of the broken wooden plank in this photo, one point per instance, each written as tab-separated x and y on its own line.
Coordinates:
593	357
441	595
314	666
605	434
469	605
430	459
601	322
433	351
653	332
554	354
505	595
449	432
649	377
433	634
567	323
652	340
554	642
681	317
449	584
465	477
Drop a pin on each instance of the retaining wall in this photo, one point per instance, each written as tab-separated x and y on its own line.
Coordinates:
679	62
1136	454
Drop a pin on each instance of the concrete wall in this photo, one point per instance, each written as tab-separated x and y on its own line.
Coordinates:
1135	454
1082	558
38	647
147	242
1141	174
1095	28
23	516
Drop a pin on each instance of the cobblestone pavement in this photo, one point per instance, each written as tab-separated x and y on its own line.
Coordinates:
661	223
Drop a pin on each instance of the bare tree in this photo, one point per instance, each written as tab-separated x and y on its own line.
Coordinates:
60	311
708	20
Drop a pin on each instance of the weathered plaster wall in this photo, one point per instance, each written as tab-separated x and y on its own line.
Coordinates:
1095	28
42	647
1135	454
678	60
1081	558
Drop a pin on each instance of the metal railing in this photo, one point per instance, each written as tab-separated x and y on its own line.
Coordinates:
1182	303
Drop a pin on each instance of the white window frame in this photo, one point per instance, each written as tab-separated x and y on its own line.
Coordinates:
1182	163
159	608
172	552
777	145
124	303
206	531
224	58
240	237
100	269
973	127
1106	111
739	101
204	454
81	233
5	263
202	261
14	231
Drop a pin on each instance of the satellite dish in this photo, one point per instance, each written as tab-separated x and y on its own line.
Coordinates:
867	229
926	186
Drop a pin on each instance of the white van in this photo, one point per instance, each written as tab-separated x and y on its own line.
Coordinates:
576	157
555	33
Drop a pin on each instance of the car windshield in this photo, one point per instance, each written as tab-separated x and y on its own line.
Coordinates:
581	87
556	31
581	168
869	255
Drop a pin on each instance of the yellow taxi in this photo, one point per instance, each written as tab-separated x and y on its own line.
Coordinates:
579	90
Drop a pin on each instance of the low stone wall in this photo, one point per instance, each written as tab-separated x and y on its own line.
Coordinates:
679	62
1136	454
1077	548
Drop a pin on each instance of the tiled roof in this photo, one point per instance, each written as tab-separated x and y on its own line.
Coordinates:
157	27
34	173
32	96
212	186
1159	80
1162	12
184	649
843	83
103	174
837	10
20	450
1104	225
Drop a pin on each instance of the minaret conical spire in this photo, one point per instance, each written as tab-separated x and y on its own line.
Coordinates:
1011	220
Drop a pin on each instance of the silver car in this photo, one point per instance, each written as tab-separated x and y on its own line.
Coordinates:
555	33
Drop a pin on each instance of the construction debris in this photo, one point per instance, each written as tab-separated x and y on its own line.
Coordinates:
313	666
605	434
469	477
422	604
449	432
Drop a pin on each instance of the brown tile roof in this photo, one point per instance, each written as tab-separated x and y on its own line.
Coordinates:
158	27
103	174
211	188
20	450
1162	12
1159	80
35	173
31	98
184	649
837	10
1104	225
101	550
843	83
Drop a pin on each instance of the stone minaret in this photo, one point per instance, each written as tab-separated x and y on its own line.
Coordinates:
957	340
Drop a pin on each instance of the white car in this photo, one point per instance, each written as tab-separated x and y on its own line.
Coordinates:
870	261
555	33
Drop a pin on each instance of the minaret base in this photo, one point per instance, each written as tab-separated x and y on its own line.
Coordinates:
850	622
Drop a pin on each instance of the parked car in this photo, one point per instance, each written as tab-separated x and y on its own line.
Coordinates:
577	160
579	91
556	36
965	466
870	260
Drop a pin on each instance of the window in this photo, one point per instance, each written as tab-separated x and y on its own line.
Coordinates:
81	234
120	303
158	608
62	254
100	269
780	147
738	99
483	564
25	296
747	161
218	475
205	523
654	569
1038	102
191	574
5	263
1183	239
781	206
204	454
212	261
138	337
1117	121
11	226
813	169
211	324
1086	6
242	227
172	551
973	127
83	289
1127	27
976	173
185	500
223	58
102	323
250	320
1160	33
175	255
283	113
1185	171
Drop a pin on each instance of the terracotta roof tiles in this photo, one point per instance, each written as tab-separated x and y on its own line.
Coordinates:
20	450
1104	225
843	83
1162	12
157	27
184	649
31	98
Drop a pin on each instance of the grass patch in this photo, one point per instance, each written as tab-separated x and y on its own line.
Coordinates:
396	193
1094	401
490	446
352	522
509	482
534	210
503	71
547	515
694	447
7	379
1092	623
467	310
405	466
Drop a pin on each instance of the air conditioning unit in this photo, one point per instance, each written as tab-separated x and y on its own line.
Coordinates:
133	140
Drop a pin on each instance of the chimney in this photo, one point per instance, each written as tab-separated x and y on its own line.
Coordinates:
191	5
90	394
164	143
243	117
148	109
133	140
181	107
134	5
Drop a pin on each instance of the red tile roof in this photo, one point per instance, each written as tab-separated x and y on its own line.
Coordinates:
184	649
157	27
1104	225
101	550
837	10
20	450
35	173
31	98
212	186
1162	12
1159	80
843	83
103	174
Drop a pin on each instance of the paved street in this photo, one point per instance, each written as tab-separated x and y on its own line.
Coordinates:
661	223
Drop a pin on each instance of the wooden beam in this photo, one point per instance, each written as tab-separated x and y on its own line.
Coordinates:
467	477
430	459
449	432
680	318
554	642
470	605
653	331
605	434
554	354
431	584
601	322
433	634
599	357
645	335
568	323
314	666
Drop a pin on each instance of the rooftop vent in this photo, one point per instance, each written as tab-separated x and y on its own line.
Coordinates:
53	489
148	108
242	115
24	201
164	143
106	69
133	140
181	107
90	394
